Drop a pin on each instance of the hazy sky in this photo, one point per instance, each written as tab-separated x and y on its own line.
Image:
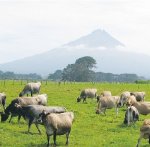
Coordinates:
28	27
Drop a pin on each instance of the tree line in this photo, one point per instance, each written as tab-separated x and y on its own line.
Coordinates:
82	71
12	76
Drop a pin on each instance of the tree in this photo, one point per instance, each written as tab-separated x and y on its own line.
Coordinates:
57	75
68	73
80	71
86	61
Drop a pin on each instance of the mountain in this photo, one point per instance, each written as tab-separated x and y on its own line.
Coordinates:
99	44
98	38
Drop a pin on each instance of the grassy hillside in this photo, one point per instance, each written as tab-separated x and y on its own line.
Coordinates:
89	129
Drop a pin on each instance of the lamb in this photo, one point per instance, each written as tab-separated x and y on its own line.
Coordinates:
138	95
107	102
23	101
31	113
3	100
57	124
131	115
144	131
32	88
142	107
123	98
87	93
104	93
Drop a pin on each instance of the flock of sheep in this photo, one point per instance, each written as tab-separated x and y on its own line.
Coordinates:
57	121
135	105
33	109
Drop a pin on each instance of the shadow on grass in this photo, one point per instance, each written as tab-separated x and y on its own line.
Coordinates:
122	125
44	145
146	145
29	133
36	145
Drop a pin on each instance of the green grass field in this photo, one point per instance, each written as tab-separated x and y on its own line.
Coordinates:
88	130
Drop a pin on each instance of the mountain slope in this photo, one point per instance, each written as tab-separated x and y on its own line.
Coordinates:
108	59
98	38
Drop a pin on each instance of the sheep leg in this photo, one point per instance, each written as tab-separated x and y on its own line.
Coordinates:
19	119
3	103
117	111
84	99
37	126
128	118
67	137
149	139
139	141
29	124
103	110
10	118
48	139
31	93
54	137
4	107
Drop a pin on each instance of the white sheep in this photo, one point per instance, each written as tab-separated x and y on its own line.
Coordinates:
23	101
32	88
144	131
3	99
57	124
138	95
104	93
131	115
123	98
142	107
87	93
107	102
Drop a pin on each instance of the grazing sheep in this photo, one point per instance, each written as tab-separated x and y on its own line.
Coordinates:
3	100
142	107
31	113
23	101
87	93
107	102
104	93
123	98
57	124
131	115
144	131
138	95
32	88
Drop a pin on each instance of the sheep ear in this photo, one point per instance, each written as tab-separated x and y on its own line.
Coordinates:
48	113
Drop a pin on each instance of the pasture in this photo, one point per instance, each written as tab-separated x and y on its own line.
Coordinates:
89	129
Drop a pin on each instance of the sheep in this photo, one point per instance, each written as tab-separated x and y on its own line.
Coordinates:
131	115
144	131
31	113
32	88
142	107
107	102
23	101
87	93
104	93
3	100
138	95
123	98
57	124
